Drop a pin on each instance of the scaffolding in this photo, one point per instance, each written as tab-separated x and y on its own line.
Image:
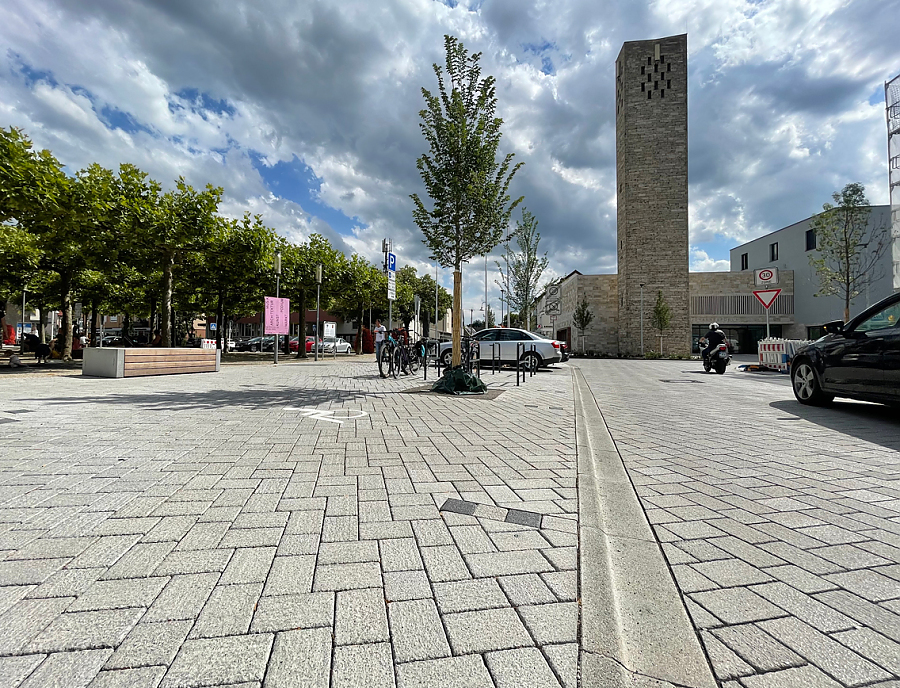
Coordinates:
892	112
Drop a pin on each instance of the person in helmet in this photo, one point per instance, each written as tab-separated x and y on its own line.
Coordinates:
713	338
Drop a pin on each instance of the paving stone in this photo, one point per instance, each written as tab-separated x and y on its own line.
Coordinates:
291	575
564	660
528	588
197	561
203	536
467	672
406	585
804	581
248	565
802	677
145	677
521	667
875	616
444	563
67	669
182	598
729	573
431	533
314	645
529	539
469	595
482	631
119	594
850	556
340	529
218	661
758	648
507	563
359	666
347	577
150	644
380	530
103	552
868	584
873	646
399	555
85	630
347	552
804	607
726	664
552	623
564	585
360	617
737	605
14	669
416	631
29	572
228	611
288	612
472	539
140	561
691	580
64	583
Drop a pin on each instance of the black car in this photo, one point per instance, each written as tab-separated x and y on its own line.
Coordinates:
266	343
860	360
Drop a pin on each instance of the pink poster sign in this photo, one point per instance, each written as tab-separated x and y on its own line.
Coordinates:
278	315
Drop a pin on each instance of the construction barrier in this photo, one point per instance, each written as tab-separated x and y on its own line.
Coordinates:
207	343
776	354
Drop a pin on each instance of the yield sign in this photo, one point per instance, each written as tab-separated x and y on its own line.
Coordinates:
767	296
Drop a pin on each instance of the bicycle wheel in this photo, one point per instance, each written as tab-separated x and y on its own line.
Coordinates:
384	362
414	362
395	363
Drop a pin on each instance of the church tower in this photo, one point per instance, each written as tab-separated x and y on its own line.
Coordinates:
652	191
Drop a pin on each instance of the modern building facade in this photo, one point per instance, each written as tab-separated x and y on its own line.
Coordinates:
790	249
652	187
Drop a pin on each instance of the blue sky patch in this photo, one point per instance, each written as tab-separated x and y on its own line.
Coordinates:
295	181
203	102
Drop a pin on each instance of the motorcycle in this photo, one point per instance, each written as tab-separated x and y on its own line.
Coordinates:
718	359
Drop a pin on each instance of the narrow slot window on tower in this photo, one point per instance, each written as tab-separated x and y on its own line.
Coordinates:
649	95
668	83
643	87
643	70
662	93
656	68
669	67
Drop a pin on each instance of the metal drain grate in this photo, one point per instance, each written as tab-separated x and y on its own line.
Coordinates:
684	382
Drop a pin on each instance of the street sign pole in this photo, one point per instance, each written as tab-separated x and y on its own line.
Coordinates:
767	297
318	296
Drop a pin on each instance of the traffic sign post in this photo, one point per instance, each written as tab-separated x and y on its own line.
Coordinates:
767	297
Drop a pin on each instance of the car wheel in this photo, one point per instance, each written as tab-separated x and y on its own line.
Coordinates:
254	349
531	361
447	358
806	385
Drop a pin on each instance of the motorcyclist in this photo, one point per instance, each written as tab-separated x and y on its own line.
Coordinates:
713	338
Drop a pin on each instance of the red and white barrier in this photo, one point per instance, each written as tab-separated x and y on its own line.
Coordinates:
207	343
776	354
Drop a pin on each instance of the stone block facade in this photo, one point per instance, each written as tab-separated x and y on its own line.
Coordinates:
652	189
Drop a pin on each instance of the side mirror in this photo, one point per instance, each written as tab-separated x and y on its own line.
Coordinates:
834	327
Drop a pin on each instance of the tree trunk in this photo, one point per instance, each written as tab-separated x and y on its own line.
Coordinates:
457	317
42	313
67	317
219	322
126	324
167	334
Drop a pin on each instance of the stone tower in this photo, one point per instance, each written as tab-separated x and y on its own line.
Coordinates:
652	191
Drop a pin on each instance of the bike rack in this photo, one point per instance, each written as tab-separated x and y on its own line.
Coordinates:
495	357
520	347
532	370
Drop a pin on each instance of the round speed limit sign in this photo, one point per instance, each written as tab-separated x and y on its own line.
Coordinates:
765	275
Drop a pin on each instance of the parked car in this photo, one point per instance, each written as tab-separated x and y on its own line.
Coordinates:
504	341
859	360
265	343
295	343
339	344
116	340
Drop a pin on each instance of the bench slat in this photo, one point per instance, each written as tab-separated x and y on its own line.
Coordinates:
138	372
186	359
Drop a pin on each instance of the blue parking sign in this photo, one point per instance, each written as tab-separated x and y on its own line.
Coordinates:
392	262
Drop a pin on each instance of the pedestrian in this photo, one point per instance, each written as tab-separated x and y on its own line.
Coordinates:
379	338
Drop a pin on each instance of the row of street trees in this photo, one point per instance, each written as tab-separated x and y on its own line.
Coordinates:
120	243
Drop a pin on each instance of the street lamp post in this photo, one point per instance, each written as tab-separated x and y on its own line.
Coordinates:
437	335
277	295
642	318
318	296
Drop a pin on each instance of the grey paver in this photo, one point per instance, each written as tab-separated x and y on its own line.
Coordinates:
416	631
356	666
469	595
290	575
804	607
145	677
182	598
228	611
528	588
86	630
758	648
521	667
218	661
14	669
444	563
801	677
150	644
873	646
399	555
467	672
737	605
248	565
406	585
119	594
507	563
287	612
314	645
67	669
360	617
552	623
347	576
28	618
725	662
482	631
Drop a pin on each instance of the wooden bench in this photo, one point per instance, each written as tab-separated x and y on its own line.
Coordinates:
113	362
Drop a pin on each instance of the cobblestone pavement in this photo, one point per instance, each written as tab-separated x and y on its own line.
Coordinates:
781	523
281	527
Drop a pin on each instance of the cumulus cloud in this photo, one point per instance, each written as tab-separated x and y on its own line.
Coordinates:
781	107
701	262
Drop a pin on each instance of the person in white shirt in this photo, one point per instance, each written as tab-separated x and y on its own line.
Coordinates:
379	338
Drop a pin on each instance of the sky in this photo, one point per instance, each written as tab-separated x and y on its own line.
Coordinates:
306	111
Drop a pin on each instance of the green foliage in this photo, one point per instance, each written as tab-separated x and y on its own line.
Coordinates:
661	317
361	283
583	317
848	250
525	266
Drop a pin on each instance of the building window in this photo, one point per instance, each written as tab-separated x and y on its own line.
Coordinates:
810	240
773	251
745	261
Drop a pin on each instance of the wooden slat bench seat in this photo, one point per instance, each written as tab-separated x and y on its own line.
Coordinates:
114	362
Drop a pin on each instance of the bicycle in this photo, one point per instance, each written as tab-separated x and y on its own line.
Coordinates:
397	357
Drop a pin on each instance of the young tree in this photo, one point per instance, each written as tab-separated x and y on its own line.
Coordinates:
524	266
661	318
467	186
582	318
491	320
848	251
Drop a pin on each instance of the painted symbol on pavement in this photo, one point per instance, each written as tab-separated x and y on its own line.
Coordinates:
331	415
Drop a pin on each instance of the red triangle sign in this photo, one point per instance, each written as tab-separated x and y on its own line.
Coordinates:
767	296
